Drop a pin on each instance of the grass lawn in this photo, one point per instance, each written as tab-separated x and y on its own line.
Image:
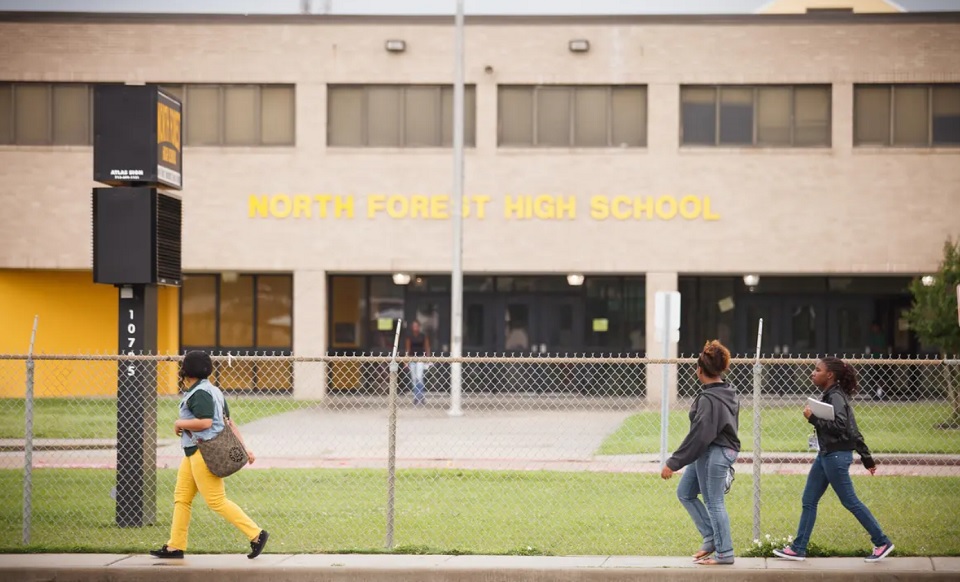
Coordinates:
96	418
451	511
888	428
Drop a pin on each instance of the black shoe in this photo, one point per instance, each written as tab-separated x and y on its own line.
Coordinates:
167	553
257	545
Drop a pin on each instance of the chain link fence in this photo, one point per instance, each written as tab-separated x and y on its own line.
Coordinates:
548	454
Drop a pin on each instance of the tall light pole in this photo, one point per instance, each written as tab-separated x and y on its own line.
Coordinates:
456	284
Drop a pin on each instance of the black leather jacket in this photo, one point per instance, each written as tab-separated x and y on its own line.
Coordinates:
841	433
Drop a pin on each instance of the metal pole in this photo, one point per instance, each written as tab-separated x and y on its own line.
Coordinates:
456	284
757	462
665	389
28	441
392	441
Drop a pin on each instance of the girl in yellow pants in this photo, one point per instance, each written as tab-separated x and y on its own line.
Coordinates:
203	414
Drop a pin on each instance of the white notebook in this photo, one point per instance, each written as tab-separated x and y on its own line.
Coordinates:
820	409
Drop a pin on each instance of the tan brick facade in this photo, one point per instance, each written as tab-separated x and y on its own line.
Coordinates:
835	210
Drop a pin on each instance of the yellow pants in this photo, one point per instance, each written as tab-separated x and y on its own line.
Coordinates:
193	476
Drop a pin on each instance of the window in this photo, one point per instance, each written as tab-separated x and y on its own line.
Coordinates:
46	114
237	115
408	116
241	312
615	314
568	116
746	116
906	115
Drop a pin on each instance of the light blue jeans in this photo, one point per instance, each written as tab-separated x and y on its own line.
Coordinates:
706	477
417	370
833	469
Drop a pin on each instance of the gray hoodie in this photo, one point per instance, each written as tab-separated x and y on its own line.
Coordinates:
714	419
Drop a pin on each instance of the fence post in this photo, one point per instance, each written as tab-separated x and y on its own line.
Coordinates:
392	441
757	460
28	440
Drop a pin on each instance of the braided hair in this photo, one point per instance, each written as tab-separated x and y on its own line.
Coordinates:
845	374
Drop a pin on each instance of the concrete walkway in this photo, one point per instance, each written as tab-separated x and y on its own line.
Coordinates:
374	568
496	436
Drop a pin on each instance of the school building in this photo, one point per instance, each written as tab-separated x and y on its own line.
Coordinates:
792	160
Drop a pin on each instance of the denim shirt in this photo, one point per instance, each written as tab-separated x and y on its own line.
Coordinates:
190	438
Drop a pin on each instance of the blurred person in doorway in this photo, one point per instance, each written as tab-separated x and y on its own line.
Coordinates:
417	344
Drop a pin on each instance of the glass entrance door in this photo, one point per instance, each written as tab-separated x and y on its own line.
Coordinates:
559	325
850	332
540	325
792	325
517	326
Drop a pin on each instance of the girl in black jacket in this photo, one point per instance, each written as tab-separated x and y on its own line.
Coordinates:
836	439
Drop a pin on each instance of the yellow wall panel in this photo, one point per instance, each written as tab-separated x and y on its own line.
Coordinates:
77	317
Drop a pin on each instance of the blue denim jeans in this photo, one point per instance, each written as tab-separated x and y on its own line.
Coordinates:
417	371
706	477
833	469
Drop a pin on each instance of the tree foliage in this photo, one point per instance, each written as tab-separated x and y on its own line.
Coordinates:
933	315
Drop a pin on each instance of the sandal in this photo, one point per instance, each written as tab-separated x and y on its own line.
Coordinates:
700	555
714	561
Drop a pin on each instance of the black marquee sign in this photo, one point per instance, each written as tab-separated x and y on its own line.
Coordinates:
137	137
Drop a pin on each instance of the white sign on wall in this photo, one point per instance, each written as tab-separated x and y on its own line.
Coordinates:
666	318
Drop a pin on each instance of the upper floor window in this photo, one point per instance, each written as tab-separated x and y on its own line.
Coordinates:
744	116
237	115
46	114
572	116
906	115
406	116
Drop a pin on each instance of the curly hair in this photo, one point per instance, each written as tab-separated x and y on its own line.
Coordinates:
714	360
845	374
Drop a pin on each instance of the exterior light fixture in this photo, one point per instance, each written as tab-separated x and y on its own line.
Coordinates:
751	281
927	280
401	278
395	45
579	45
575	279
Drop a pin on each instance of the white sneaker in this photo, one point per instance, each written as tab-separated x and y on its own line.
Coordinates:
787	553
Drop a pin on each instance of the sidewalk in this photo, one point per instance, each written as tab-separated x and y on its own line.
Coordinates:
374	568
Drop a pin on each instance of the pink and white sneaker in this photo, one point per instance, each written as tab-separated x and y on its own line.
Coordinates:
879	553
787	553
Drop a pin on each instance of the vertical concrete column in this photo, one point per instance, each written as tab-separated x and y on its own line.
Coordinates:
841	117
309	333
663	118
659	282
486	125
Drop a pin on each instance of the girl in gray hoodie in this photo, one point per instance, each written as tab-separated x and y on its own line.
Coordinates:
710	449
